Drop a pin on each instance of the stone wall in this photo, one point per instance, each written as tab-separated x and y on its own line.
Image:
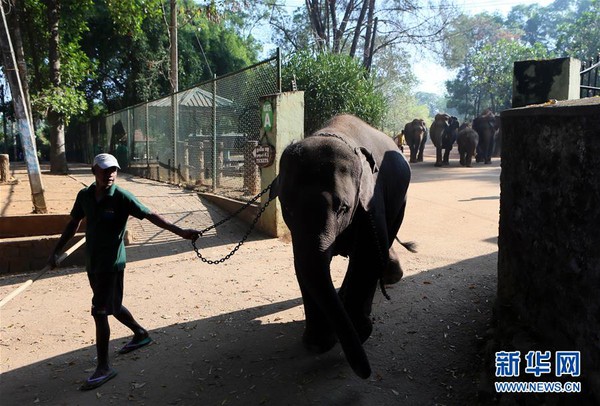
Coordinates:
30	254
549	241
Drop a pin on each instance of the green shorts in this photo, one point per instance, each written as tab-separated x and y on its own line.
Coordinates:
108	292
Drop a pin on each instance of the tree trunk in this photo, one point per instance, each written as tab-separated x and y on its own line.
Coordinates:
56	120
14	22
25	127
358	29
369	33
339	32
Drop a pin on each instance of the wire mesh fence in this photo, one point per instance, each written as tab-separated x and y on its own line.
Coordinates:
202	137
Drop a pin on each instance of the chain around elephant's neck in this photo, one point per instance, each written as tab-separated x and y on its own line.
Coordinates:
334	135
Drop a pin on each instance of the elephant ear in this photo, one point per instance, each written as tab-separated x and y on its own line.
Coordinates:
366	185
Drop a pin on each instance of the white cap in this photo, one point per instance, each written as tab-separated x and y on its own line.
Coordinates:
106	161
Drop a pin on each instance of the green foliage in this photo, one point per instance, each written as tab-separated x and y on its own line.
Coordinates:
334	84
484	48
580	37
404	108
63	100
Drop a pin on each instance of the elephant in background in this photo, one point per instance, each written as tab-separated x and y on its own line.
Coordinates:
485	125
415	134
443	133
467	141
343	192
498	137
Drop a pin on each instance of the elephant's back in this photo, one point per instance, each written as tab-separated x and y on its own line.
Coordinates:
360	133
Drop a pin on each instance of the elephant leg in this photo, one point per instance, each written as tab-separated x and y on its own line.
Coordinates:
420	156
393	271
438	157
463	156
490	149
358	290
446	160
318	336
413	154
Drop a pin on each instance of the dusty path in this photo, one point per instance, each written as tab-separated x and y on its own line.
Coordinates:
230	334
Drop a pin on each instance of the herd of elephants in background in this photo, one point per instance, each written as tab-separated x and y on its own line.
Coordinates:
480	139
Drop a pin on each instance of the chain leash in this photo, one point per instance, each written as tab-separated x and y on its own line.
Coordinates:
244	238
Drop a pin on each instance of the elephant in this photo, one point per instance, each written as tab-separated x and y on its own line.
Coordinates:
485	125
467	141
342	191
498	137
415	134
443	133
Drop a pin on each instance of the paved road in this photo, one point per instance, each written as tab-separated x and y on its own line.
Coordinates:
229	334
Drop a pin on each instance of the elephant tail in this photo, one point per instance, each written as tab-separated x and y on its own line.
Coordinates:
409	245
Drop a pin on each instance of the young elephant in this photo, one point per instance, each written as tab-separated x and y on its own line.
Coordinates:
343	192
467	143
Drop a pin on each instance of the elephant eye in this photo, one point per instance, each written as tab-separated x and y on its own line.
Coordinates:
344	208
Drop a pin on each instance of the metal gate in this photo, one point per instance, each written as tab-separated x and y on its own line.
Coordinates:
590	78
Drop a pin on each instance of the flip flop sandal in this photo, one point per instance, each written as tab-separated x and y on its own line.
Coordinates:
92	383
132	346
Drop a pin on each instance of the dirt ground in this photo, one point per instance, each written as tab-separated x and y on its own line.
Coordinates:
230	334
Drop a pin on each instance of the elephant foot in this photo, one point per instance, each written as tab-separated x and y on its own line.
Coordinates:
412	161
438	164
488	161
393	271
446	163
318	343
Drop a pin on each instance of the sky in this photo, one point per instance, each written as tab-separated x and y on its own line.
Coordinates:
431	76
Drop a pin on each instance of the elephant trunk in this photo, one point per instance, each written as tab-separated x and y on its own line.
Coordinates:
313	273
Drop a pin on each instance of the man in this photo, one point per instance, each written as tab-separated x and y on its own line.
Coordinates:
106	208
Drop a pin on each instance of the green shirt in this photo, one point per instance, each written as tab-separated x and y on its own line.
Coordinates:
106	223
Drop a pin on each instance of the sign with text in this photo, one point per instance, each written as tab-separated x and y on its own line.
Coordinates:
264	155
267	116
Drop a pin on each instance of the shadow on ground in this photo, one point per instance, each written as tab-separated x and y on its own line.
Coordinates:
424	350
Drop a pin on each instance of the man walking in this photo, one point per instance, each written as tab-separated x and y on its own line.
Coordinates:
106	208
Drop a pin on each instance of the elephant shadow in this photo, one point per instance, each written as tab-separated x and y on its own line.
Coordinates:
253	355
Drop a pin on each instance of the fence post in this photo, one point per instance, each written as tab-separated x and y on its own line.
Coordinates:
287	126
201	169
251	172
186	161
219	164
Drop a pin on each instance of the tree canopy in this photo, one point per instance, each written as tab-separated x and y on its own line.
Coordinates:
484	47
88	56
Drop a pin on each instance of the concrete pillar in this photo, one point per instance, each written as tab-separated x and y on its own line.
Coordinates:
536	82
287	126
548	257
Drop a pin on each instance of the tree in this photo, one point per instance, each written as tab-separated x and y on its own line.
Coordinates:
579	36
333	84
360	28
483	48
134	67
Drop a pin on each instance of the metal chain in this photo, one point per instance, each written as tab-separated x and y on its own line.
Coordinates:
244	238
